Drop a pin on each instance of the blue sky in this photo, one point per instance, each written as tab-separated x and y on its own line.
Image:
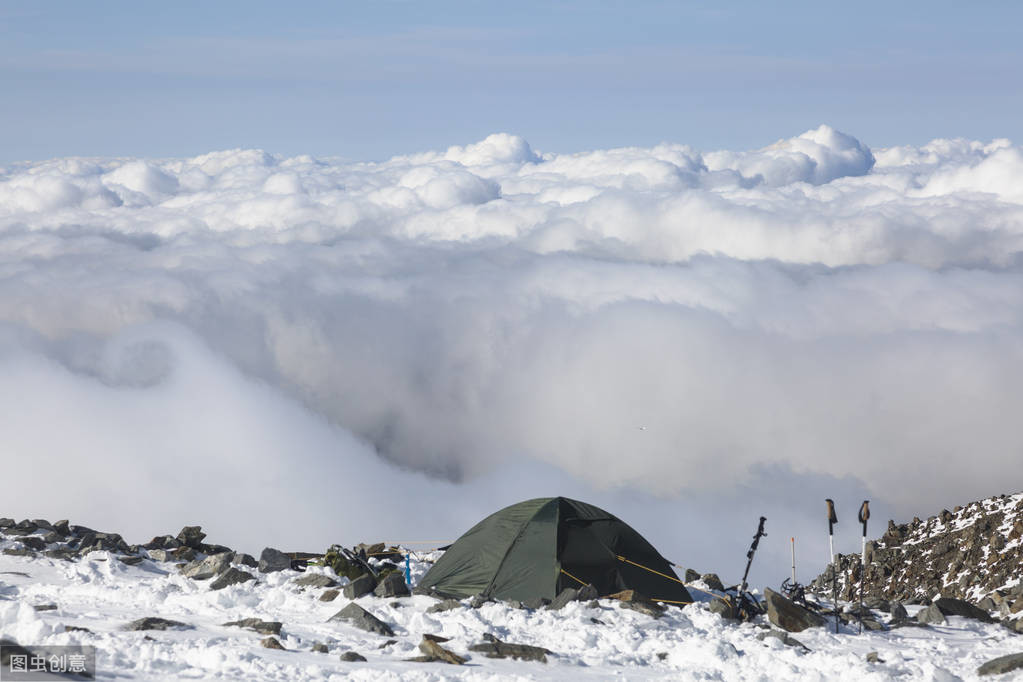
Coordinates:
369	80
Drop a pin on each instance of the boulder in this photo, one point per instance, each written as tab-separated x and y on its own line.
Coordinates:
446	605
6	522
320	648
535	603
567	595
392	585
713	581
232	576
207	568
692	576
358	617
263	627
157	554
958	607
314	580
183	553
931	615
154	623
723	608
62	527
430	647
191	536
33	542
492	647
587	593
1002	664
364	584
130	560
244	560
784	637
636	601
352	657
899	613
788	615
272	643
272	560
329	595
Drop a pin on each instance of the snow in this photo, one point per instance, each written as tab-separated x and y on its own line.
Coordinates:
102	594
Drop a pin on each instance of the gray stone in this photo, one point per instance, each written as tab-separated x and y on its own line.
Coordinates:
153	623
564	597
157	554
430	647
61	553
1002	664
352	657
130	560
263	627
788	615
207	568
785	638
958	607
987	603
45	607
713	581
446	605
314	580
53	537
191	536
587	593
478	601
872	624
931	615
320	648
364	584
359	617
244	560
692	576
19	552
33	542
232	576
272	560
329	595
62	527
899	613
536	603
495	648
392	585
872	657
722	608
272	643
6	522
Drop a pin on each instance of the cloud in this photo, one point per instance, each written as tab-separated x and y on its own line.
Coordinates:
240	335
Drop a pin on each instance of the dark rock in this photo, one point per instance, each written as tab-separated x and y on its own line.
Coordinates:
75	628
19	552
430	647
263	627
587	593
478	601
6	522
272	643
81	531
878	604
329	595
320	648
536	603
958	607
191	536
722	607
153	623
232	576
183	553
33	542
130	560
899	613
204	569
1002	664
272	560
872	624
214	549
446	605
63	554
45	607
785	638
713	581
244	560
162	542
691	575
52	537
564	597
495	648
931	615
352	657
597	621
387	643
788	615
359	617
426	592
314	580
108	542
392	585
364	584
62	528
42	523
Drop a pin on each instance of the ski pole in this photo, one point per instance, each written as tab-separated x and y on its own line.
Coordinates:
864	515
832	520
749	559
793	540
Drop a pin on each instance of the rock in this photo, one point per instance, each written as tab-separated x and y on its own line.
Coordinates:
157	554
6	522
713	581
785	638
42	523
722	607
214	549
478	601
272	560
587	593
272	643
536	603
320	648
352	657
958	607
232	576
430	647
80	531
62	527
392	585
314	580
191	536
45	607
446	605
162	542
364	584
130	560
788	615
691	575
899	613
329	595
53	537
263	627
244	560
564	597
931	615
495	648
153	623
183	553
75	628
19	552
359	617
872	624
207	568
988	604
1002	664
64	554
33	542
872	657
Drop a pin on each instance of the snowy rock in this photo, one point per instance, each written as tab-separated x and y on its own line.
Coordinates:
430	646
1002	664
320	648
272	560
314	580
130	560
788	615
931	615
873	657
392	585
783	637
898	613
958	607
232	576
162	542
446	605
329	595
352	657
157	554
722	607
6	522
359	617
364	584
492	647
564	597
263	627
207	568
191	536
713	581
244	560
154	623
272	643
535	603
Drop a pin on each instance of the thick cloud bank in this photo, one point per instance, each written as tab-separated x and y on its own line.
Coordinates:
695	337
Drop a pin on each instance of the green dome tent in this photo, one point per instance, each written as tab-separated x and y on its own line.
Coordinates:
539	547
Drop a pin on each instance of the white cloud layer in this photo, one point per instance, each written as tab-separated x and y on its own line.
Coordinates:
682	334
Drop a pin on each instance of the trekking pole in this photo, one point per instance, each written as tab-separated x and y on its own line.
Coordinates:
864	515
793	540
832	520
749	557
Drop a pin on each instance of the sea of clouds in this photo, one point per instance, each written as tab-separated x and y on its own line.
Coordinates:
304	350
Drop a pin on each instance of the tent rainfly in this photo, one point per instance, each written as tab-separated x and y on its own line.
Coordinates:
539	547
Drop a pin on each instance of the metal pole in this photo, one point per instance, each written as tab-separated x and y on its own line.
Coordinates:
793	560
864	515
832	520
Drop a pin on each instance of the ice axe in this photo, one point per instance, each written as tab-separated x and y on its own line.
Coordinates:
864	515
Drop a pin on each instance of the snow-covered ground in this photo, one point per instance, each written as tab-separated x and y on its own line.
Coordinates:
102	594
